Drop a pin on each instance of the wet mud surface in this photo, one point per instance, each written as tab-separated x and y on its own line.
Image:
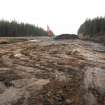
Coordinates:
69	72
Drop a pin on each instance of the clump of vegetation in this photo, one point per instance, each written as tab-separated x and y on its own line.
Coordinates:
14	40
92	26
14	29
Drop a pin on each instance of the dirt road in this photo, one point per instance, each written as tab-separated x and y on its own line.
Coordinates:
48	72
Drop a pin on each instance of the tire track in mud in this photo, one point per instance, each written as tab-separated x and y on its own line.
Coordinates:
24	64
36	63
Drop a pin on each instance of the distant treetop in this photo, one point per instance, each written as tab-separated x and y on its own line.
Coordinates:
92	26
15	29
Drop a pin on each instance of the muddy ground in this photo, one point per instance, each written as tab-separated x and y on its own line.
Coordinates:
48	72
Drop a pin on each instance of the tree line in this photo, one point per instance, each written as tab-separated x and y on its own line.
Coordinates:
15	29
92	26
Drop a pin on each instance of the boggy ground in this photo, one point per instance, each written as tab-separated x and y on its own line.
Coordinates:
68	72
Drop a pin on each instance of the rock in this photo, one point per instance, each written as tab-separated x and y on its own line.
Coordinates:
68	101
34	40
2	87
18	55
10	96
6	60
90	99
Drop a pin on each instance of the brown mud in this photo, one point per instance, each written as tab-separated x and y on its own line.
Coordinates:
69	72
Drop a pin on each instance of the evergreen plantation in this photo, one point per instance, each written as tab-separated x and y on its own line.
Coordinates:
14	29
92	27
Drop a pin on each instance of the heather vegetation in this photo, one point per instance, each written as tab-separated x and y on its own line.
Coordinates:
15	29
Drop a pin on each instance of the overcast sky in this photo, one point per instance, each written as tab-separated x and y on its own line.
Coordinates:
62	16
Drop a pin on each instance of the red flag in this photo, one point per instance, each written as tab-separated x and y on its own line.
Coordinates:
49	31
